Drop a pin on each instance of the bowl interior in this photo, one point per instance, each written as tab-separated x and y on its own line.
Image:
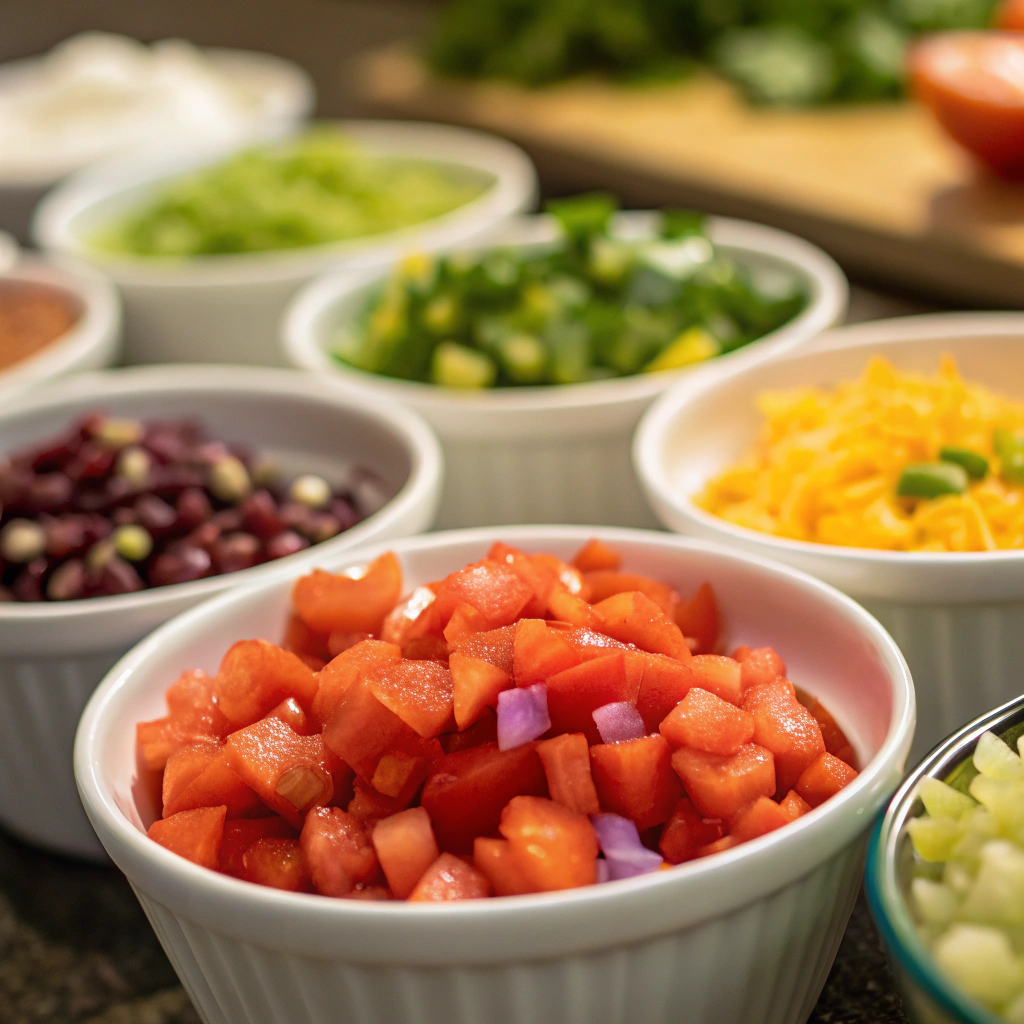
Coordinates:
821	636
704	430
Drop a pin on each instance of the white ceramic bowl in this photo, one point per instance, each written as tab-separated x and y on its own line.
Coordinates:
745	936
553	454
287	98
958	618
52	655
227	308
92	343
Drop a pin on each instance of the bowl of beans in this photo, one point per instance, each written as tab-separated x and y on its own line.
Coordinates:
888	460
54	320
548	840
156	490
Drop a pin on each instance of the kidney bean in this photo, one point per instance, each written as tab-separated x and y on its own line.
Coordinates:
183	565
237	551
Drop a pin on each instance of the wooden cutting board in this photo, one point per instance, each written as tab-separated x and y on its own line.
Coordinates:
878	186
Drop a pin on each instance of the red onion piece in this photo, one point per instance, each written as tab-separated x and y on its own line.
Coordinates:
603	871
619	721
620	843
522	715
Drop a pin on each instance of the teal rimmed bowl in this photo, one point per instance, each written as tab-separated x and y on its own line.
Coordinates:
928	997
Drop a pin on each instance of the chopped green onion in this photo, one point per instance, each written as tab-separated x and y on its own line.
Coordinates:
932	480
975	464
457	366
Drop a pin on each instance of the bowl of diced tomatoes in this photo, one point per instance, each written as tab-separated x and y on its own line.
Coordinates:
521	775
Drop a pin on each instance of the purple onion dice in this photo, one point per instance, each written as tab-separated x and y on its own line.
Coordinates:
522	715
619	721
620	843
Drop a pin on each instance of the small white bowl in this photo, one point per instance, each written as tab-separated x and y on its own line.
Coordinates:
92	343
958	618
287	98
52	655
556	454
227	308
745	936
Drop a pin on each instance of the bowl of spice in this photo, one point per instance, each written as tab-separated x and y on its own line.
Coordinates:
162	488
54	320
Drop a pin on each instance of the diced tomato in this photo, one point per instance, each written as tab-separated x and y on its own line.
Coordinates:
305	642
589	644
195	834
427	648
450	878
337	851
289	712
664	682
284	769
698	619
418	692
356	601
566	760
464	621
277	863
467	791
596	555
568	607
341	672
634	618
239	835
555	846
497	647
157	740
822	778
706	722
719	675
539	579
786	728
1010	16
635	779
574	695
602	584
341	776
764	815
762	665
834	737
794	806
342	640
412	619
400	774
406	847
485	730
719	846
563	574
491	588
361	730
721	786
540	652
256	676
741	653
369	806
686	832
475	687
198	775
497	862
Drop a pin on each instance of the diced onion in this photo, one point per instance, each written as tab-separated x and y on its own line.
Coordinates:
625	855
619	721
522	715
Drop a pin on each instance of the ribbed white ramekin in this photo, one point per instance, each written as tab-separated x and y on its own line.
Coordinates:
554	454
958	618
748	935
53	654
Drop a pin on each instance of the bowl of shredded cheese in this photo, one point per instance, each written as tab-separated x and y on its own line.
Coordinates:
887	459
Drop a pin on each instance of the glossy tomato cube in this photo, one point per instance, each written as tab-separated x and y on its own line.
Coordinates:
540	652
574	694
255	676
698	619
492	588
496	646
761	665
833	736
475	687
341	672
337	851
418	692
721	786
290	712
786	728
498	863
595	555
240	834
822	778
555	846
197	775
635	779
356	601
719	675
450	878
706	722
634	618
601	584
195	834
664	682
686	832
566	760
794	806
277	863
412	619
467	791
406	847
764	815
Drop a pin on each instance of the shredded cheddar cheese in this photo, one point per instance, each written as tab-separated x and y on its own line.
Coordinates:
826	465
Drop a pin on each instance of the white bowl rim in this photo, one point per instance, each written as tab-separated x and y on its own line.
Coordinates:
97	328
292	915
829	294
874	335
514	182
291	78
424	451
